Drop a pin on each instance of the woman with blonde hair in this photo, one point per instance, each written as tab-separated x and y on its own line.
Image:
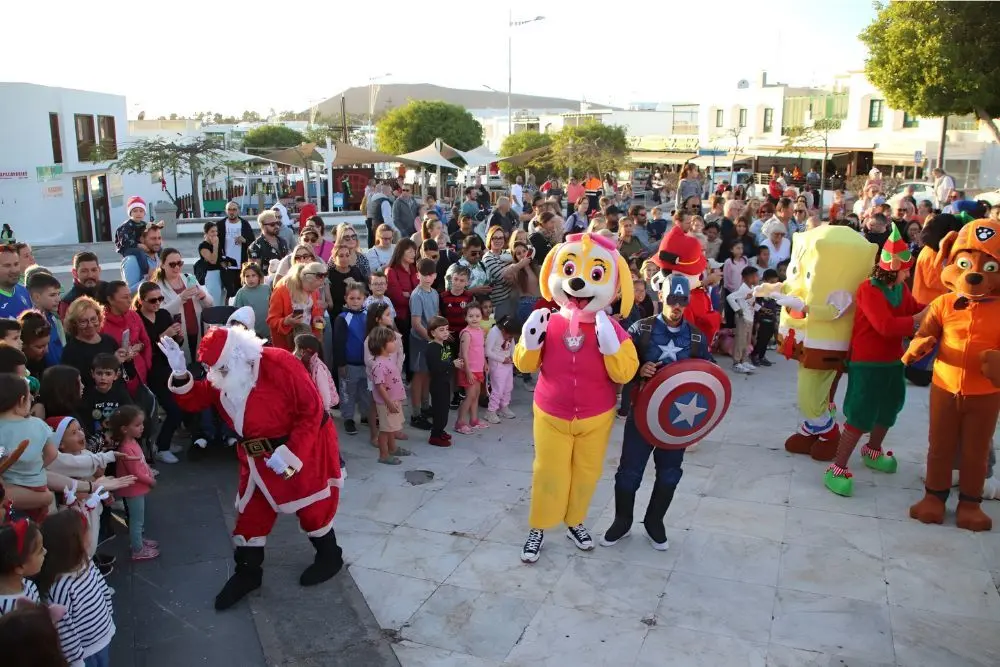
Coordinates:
347	237
380	253
296	305
498	261
597	224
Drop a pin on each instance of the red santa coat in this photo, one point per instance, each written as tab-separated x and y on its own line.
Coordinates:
283	402
702	315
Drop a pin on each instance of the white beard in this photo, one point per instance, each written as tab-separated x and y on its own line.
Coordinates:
237	383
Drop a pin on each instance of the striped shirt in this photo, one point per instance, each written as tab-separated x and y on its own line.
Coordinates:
88	625
495	264
28	590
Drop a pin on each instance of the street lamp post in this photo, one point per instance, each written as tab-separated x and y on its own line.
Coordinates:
511	24
372	96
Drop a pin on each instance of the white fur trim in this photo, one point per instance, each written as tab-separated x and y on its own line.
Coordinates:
244	500
240	541
181	389
60	430
295	505
255	476
320	532
294	462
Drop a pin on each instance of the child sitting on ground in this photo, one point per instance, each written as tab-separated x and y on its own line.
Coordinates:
389	394
125	428
25	481
499	354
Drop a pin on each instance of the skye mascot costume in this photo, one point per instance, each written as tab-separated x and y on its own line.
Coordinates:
581	354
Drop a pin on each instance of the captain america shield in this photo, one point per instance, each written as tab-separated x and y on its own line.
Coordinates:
682	403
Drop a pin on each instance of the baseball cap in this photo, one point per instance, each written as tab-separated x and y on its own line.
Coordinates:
679	290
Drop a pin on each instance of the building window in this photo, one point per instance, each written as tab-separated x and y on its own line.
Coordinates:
768	120
875	109
743	117
718	118
107	137
910	121
86	138
56	139
685	119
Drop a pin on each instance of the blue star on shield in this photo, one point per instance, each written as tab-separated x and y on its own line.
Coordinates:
688	410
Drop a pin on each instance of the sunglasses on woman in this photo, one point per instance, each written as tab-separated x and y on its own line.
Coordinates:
316	275
176	265
155	299
299	258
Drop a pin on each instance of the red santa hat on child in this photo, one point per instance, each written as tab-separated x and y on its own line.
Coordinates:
895	254
59	426
135	202
225	346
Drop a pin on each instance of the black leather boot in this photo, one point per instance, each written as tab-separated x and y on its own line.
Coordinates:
622	525
246	578
659	501
329	559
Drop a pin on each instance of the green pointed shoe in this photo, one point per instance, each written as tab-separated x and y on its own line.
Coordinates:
883	462
842	485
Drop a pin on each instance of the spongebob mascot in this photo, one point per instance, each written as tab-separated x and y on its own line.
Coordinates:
581	354
817	315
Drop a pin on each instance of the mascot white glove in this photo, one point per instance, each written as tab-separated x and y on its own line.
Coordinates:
69	493
96	497
277	464
790	302
174	354
607	336
841	300
533	331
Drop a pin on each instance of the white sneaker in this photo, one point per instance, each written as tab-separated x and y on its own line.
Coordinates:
166	456
741	369
506	413
231	442
579	535
176	449
201	442
492	417
750	366
532	546
748	369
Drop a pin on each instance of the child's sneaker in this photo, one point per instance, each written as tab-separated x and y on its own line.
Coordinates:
152	544
479	425
741	369
420	423
492	417
456	401
506	413
764	362
145	553
446	436
439	441
464	429
350	428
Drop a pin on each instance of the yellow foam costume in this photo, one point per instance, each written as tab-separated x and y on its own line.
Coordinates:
581	354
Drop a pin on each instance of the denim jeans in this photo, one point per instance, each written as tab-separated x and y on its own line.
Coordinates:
354	392
100	659
635	454
136	520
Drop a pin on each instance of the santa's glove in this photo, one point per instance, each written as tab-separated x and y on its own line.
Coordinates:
95	499
841	300
174	354
607	336
533	331
278	465
69	493
790	302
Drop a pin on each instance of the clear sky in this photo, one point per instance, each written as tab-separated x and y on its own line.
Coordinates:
198	55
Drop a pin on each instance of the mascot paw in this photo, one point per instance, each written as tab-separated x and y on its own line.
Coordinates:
970	516
533	331
991	365
798	443
607	337
919	348
841	300
928	510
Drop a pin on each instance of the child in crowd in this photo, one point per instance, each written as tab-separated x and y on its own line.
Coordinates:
10	332
44	290
102	399
472	351
380	315
21	557
761	262
766	322
454	301
782	269
486	305
272	272
310	353
125	428
68	578
732	277
441	363
642	305
349	355
713	240
389	394
35	336
424	304
499	355
255	294
25	481
742	303
28	636
378	283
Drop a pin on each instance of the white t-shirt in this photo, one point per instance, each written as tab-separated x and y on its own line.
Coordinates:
517	194
233	229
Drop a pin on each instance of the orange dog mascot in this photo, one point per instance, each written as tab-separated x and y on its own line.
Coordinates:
965	391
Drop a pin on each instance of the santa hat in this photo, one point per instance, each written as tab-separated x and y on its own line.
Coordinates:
895	255
223	346
59	426
135	202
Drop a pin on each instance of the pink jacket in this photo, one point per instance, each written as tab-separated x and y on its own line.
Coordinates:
324	382
115	326
574	385
143	475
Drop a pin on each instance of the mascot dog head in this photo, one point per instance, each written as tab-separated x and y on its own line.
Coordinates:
584	275
679	254
973	260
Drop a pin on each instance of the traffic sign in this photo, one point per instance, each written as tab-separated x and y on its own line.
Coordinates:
712	152
918	158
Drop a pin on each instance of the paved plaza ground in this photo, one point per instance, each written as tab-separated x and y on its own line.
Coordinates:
765	566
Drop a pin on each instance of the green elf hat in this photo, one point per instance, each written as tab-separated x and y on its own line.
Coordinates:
895	255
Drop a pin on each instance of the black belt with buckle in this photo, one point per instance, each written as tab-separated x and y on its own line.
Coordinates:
258	447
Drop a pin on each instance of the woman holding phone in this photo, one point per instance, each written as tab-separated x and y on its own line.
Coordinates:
296	305
183	298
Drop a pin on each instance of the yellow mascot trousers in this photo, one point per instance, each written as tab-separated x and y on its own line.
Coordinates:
814	392
569	457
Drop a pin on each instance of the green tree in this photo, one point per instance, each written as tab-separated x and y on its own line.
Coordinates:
250	117
937	58
198	157
590	147
514	144
800	139
272	137
420	122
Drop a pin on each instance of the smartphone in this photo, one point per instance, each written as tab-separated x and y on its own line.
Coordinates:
126	339
298	311
177	318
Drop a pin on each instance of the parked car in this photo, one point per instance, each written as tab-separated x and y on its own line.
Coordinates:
991	196
921	190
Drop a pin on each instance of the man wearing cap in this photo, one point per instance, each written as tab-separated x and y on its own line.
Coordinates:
885	315
659	340
289	457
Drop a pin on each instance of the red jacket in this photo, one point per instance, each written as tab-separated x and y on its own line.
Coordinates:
307	211
114	326
702	315
400	280
879	328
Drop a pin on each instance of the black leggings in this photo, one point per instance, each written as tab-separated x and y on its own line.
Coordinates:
174	415
440	398
765	332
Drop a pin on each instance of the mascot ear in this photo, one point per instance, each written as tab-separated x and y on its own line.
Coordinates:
944	248
543	275
625	283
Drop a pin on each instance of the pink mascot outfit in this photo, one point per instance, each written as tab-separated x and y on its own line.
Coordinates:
288	452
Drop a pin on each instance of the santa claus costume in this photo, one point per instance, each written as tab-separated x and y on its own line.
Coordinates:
288	452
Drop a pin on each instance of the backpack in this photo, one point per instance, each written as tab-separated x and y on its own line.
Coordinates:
646	332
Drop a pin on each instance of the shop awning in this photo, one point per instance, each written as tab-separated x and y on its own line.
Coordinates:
524	158
346	154
661	157
707	160
430	155
903	159
805	153
477	157
302	155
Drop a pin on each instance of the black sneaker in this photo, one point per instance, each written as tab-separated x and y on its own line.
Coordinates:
427	414
456	402
763	362
364	420
580	537
350	427
421	423
532	546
